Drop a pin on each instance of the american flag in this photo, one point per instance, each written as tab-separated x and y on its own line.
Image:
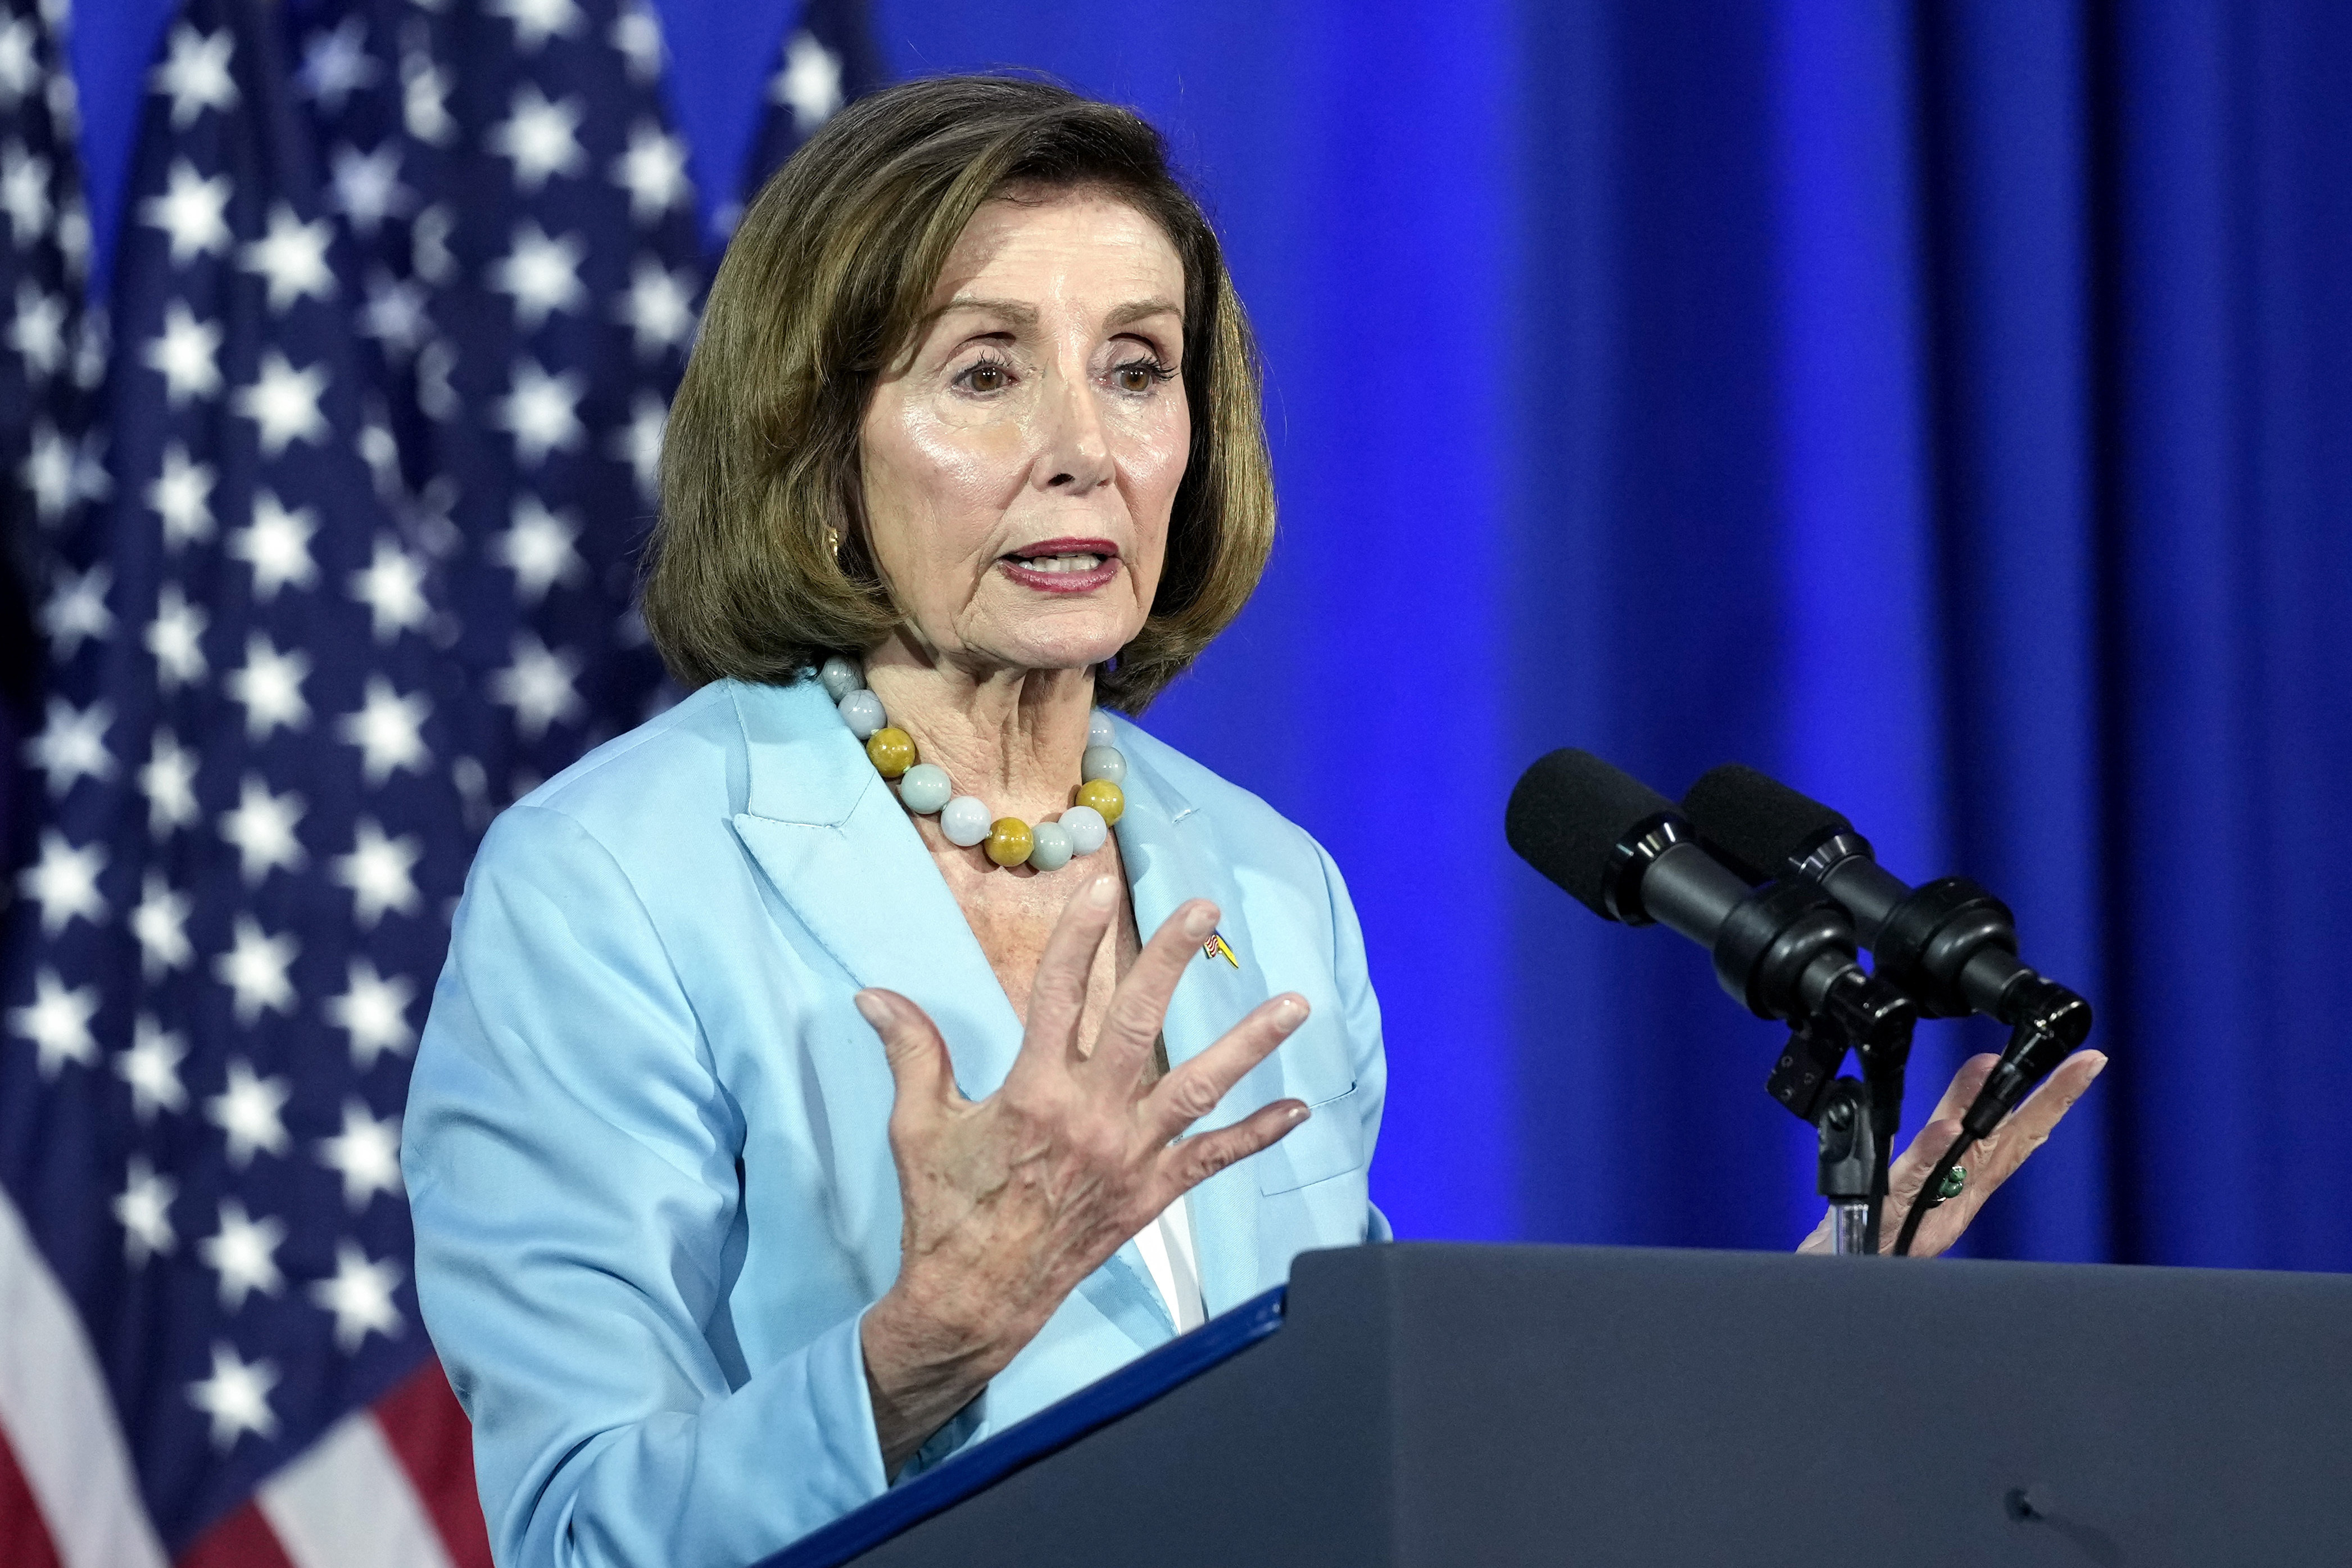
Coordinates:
401	294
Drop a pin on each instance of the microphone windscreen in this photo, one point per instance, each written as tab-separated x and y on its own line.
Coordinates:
1569	811
1755	824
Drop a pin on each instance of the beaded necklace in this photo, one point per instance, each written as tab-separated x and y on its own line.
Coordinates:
925	788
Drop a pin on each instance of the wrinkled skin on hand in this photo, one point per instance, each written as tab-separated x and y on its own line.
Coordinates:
1989	1160
1011	1201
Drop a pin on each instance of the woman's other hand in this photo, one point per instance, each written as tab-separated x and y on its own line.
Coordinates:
1010	1201
1989	1160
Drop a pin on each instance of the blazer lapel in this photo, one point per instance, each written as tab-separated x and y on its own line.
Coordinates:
838	847
1170	851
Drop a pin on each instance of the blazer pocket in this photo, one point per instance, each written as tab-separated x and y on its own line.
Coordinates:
1326	1144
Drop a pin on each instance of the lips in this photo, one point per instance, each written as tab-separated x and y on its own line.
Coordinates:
1062	566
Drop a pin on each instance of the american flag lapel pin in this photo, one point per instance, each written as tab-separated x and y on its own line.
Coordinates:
1217	947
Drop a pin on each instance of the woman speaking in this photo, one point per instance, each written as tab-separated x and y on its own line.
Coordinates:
881	1044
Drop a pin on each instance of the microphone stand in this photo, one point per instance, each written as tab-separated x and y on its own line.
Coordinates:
1854	1118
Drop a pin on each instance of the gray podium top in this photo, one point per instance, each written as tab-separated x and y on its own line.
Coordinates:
1439	1405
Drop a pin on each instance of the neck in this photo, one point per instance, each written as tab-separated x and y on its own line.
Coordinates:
1012	737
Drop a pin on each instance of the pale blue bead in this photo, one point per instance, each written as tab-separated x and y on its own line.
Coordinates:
862	711
1098	730
840	677
1103	763
1049	847
965	820
925	788
1086	827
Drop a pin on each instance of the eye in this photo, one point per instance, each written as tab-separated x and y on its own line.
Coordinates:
987	375
1140	375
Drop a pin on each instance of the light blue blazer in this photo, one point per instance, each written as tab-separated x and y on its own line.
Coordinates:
645	1141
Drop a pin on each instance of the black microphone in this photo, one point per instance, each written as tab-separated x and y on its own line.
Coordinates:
1950	945
1626	853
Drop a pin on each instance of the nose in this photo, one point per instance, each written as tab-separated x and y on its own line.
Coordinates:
1075	456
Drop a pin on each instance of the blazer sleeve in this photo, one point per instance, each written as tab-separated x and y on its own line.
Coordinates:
1360	1010
571	1160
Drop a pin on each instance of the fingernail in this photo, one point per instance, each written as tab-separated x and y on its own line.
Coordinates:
2095	1072
871	1007
1289	1012
1201	921
1299	1115
1104	893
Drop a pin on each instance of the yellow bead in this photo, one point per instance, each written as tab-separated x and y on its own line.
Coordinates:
1105	797
893	751
1010	841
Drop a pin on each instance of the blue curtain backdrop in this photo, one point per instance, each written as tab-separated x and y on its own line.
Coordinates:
1946	407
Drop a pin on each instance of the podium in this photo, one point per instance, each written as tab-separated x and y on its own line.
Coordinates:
1422	1404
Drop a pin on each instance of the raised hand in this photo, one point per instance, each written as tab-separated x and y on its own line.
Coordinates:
1989	1160
1011	1201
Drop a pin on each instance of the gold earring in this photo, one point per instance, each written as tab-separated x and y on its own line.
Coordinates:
833	543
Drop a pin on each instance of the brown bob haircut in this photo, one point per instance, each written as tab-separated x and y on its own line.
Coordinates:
827	283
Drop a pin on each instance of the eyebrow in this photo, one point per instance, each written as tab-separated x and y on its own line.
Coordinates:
1014	311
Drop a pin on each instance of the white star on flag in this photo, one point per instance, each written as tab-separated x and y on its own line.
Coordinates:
658	308
144	1210
393	588
160	921
152	1067
192	211
39	333
253	968
540	137
284	402
186	355
64	882
360	1296
394	314
76	609
542	275
809	83
377	872
366	186
337	65
195	76
638	443
653	171
20	64
248	1109
365	1154
237	1396
292	259
277	545
542	411
638	37
373	1011
24	193
71	744
58	1023
244	1253
538	548
539	686
176	638
425	101
270	687
169	783
182	497
261	830
536	21
388	731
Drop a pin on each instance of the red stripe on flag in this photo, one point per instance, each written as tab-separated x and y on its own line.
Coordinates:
428	1431
243	1539
24	1534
